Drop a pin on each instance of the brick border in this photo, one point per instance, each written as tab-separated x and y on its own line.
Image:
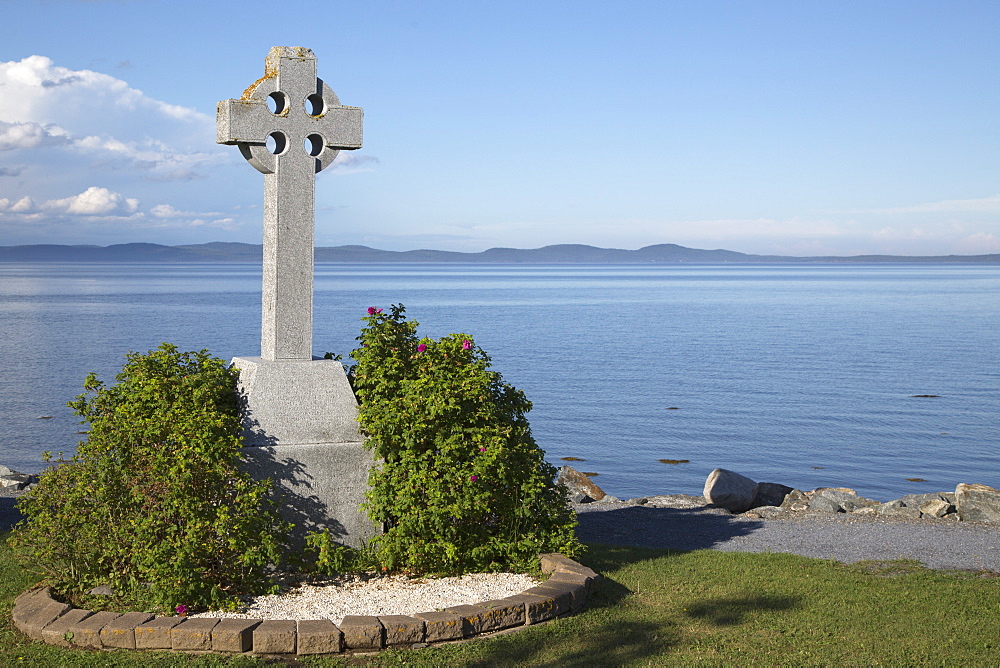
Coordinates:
39	616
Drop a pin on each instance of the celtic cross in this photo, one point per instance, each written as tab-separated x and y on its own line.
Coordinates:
289	125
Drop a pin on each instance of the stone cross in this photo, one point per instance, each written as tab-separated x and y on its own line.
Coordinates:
289	125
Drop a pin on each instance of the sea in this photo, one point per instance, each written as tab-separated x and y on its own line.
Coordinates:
884	378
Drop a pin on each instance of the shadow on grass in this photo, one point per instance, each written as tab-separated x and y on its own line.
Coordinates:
733	611
603	635
9	514
661	528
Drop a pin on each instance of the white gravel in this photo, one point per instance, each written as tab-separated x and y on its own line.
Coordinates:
390	595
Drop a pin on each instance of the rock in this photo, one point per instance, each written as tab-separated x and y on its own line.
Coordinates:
730	490
824	504
795	500
891	510
580	486
838	500
766	512
677	501
770	494
977	503
15	479
936	508
836	493
917	500
714	510
857	503
101	590
607	498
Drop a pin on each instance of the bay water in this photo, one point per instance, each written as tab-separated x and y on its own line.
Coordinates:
806	375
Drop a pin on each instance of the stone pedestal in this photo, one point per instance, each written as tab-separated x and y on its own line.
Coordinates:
300	429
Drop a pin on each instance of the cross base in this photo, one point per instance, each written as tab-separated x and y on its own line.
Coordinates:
300	430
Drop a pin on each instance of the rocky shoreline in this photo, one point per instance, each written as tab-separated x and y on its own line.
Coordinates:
732	493
725	491
823	523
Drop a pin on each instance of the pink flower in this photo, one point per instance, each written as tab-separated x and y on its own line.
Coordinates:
482	449
473	478
181	609
466	344
372	310
421	348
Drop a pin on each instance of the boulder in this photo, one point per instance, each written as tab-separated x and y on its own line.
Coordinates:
581	488
730	490
838	500
857	503
11	478
896	509
936	508
766	512
796	500
977	503
676	501
825	504
917	500
770	494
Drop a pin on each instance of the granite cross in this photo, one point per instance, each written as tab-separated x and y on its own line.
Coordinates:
289	125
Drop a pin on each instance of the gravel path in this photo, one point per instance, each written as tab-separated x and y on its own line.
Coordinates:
846	538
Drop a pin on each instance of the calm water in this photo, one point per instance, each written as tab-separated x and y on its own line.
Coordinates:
799	375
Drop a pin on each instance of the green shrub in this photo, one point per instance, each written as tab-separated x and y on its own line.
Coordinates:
153	503
323	554
461	484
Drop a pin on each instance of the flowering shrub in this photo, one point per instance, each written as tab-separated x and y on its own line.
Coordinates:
462	485
153	503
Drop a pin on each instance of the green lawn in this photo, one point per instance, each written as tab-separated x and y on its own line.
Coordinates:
657	607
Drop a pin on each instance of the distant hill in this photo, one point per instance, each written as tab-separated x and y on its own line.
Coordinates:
219	251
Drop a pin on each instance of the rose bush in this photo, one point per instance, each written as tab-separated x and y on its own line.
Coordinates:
461	484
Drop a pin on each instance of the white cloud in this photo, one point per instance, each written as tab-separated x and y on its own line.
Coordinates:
36	89
87	149
14	136
102	119
101	210
165	211
94	201
23	205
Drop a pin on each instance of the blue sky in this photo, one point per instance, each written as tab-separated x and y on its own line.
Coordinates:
799	128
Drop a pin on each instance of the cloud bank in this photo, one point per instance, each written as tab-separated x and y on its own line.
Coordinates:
62	128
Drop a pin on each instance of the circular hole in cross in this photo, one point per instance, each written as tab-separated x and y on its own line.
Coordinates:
277	102
314	145
276	143
314	105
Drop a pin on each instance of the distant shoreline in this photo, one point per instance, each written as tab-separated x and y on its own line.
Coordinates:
232	252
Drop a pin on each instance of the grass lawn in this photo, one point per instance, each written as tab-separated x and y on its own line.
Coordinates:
657	607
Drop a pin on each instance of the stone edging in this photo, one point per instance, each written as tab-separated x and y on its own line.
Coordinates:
43	618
